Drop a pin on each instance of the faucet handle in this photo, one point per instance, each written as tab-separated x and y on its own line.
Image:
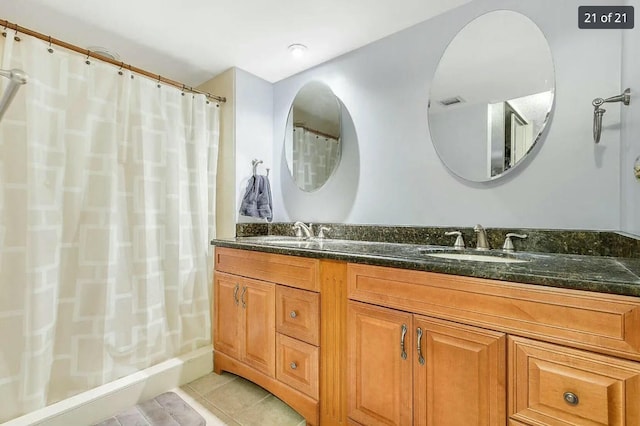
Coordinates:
459	244
298	230
322	230
508	244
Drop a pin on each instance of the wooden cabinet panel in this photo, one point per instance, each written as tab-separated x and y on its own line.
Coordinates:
551	384
293	271
463	378
226	320
379	373
258	303
298	314
297	364
594	321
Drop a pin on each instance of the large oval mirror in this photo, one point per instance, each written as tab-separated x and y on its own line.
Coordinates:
312	137
491	95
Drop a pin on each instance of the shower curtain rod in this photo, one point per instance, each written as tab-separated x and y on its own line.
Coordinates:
18	29
317	132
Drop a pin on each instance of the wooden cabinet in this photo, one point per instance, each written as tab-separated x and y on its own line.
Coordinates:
345	343
244	325
298	314
379	365
459	374
407	369
464	326
298	365
555	385
267	328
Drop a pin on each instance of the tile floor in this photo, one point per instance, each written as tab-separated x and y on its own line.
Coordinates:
238	402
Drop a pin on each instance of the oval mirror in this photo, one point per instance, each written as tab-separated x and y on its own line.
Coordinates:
312	137
491	95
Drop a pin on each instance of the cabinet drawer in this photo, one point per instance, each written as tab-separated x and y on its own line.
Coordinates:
297	314
551	384
587	320
297	365
293	271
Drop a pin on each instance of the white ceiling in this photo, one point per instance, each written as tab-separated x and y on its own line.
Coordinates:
193	40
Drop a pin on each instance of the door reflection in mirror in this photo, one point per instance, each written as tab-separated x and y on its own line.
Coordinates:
514	126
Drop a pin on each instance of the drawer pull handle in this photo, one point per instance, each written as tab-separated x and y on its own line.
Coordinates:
235	294
244	291
420	357
293	314
571	398
403	352
293	366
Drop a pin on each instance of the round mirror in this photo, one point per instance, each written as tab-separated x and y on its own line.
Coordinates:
312	137
491	95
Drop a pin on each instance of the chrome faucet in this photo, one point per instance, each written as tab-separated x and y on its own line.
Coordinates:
321	232
482	243
508	244
459	244
303	230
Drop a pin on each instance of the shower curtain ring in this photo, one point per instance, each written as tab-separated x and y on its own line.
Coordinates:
15	37
184	87
120	69
88	62
159	78
4	31
50	49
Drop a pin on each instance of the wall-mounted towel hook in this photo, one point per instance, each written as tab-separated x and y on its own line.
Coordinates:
598	112
254	164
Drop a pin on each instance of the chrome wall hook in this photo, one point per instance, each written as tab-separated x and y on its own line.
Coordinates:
598	112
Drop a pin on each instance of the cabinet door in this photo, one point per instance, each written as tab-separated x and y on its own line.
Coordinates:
226	319
257	300
379	370
459	375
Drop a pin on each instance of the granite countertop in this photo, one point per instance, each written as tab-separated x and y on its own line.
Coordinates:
603	274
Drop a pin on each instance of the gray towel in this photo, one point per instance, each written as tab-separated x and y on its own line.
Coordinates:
256	201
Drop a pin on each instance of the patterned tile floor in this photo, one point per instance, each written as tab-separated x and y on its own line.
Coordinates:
237	402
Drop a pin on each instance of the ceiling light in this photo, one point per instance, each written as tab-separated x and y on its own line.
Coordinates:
297	50
103	51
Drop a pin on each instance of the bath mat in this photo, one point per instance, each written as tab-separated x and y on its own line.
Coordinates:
167	409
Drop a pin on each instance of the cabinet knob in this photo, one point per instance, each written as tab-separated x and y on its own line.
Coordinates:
571	398
293	314
293	366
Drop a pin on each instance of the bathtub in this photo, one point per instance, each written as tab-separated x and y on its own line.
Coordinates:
105	401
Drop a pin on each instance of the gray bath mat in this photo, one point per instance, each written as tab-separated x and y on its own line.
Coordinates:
167	409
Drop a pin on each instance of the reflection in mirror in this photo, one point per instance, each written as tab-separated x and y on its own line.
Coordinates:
491	95
312	137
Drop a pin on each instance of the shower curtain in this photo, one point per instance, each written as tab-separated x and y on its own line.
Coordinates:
107	207
314	158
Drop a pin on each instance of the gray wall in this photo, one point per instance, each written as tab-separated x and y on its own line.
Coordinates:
254	130
630	125
568	182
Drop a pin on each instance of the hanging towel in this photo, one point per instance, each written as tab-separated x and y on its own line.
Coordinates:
256	201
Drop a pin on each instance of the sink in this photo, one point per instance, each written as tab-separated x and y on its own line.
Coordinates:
493	257
281	240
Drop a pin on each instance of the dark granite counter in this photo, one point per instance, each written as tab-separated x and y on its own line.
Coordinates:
616	275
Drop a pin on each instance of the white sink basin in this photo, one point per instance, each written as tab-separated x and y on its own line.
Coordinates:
293	241
476	257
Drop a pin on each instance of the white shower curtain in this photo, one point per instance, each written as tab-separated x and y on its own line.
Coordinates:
106	212
314	158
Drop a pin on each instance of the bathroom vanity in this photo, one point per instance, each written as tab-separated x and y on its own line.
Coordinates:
350	332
